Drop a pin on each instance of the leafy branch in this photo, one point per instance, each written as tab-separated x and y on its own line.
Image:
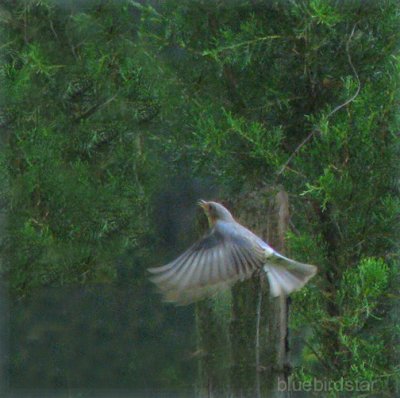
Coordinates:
216	51
348	101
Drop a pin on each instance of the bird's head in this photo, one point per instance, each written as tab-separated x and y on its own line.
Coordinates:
215	211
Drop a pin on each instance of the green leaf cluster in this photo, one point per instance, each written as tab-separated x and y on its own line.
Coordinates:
78	105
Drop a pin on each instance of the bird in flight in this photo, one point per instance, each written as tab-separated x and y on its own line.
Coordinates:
228	253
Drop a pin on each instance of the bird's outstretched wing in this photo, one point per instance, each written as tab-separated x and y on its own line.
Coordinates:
213	263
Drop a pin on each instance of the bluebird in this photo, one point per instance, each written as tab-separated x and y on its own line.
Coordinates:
228	253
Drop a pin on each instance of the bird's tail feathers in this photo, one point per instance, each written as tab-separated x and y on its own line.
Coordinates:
286	275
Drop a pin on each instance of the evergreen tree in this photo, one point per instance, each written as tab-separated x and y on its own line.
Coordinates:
77	109
104	103
304	95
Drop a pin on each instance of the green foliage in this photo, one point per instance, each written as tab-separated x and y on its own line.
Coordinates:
361	287
79	103
101	96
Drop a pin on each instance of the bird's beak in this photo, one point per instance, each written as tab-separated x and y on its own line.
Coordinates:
203	204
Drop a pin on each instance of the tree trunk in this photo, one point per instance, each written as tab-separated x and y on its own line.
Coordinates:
259	323
249	334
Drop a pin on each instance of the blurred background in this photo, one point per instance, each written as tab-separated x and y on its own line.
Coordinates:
117	116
